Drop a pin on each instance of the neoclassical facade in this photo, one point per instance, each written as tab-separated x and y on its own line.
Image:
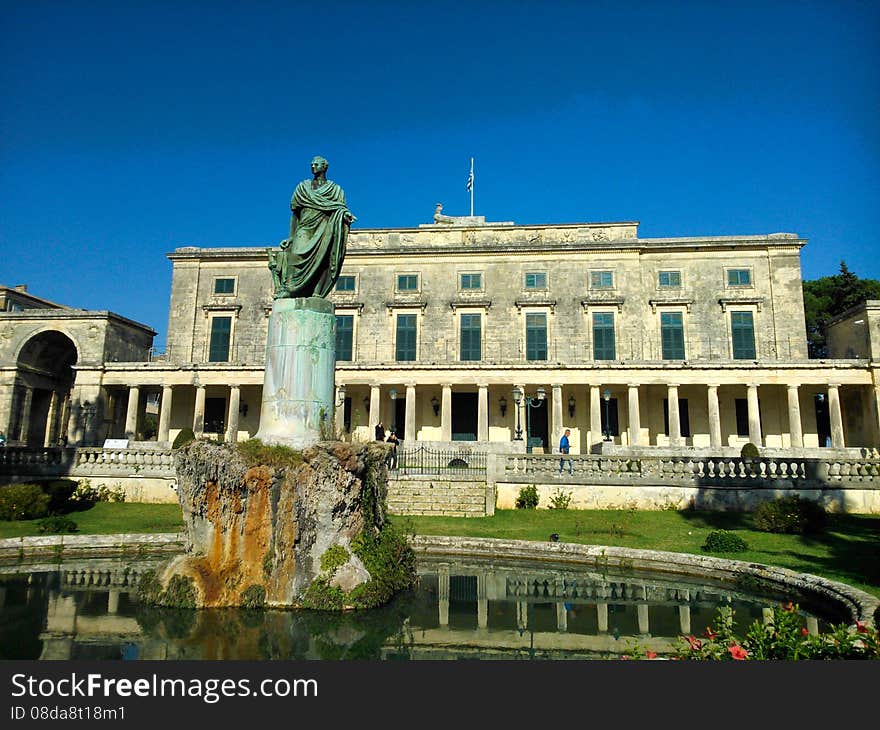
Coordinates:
635	342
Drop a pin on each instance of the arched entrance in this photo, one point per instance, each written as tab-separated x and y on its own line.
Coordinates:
41	396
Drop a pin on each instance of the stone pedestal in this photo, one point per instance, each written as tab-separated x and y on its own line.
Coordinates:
300	361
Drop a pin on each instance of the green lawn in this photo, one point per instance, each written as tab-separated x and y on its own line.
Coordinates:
848	551
107	518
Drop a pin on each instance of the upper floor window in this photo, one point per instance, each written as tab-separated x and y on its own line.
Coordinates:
344	337
669	279
221	334
536	280
470	282
405	350
471	337
672	335
536	336
742	329
407	282
601	279
739	277
603	336
345	283
224	286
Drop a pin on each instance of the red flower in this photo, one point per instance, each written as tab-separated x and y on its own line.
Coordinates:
710	634
737	652
651	654
696	644
624	656
804	631
788	607
861	628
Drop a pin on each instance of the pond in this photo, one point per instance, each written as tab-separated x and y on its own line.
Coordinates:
461	609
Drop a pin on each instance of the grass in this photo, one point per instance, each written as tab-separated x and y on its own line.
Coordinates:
107	518
847	551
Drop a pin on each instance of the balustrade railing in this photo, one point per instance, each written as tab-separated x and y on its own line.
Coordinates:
84	462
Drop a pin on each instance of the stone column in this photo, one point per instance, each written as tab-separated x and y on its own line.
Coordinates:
837	441
482	412
232	420
410	430
73	430
51	419
794	417
642	611
522	615
112	601
482	602
443	595
446	413
635	426
374	409
674	417
602	616
596	435
876	416
131	412
26	406
684	619
754	415
165	413
199	411
561	617
714	418
556	422
339	416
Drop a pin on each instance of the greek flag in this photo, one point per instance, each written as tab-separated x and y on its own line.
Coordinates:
470	180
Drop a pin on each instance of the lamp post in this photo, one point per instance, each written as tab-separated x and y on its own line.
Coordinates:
606	432
531	402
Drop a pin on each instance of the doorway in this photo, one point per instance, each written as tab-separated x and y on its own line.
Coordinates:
464	416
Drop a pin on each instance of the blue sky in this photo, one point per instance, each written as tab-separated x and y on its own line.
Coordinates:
128	129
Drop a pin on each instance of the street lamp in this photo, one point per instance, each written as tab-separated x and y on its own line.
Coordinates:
606	432
531	402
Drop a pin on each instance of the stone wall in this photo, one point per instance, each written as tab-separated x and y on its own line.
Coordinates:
446	496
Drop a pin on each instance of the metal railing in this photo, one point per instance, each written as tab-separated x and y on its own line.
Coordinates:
434	461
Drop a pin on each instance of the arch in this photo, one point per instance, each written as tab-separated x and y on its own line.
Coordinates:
44	378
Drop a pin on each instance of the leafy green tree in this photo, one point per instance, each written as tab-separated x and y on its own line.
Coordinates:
829	296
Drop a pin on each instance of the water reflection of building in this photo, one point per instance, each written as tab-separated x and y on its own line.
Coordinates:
88	610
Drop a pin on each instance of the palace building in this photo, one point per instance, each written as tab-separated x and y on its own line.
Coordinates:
671	343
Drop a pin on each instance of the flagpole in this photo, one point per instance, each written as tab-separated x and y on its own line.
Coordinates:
472	187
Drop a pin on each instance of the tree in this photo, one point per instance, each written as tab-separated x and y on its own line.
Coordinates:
829	296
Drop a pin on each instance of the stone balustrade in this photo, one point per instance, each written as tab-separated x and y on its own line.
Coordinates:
86	462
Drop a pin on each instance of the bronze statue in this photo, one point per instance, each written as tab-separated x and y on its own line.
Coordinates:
311	257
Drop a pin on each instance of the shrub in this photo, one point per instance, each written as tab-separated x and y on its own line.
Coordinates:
335	557
85	495
790	515
528	497
183	438
60	491
256	453
23	502
750	451
724	541
254	596
56	525
560	499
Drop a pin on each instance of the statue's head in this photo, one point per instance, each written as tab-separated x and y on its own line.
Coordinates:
319	164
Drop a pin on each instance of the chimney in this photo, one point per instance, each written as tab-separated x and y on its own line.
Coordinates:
21	287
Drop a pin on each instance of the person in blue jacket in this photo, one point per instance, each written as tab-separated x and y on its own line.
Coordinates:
564	448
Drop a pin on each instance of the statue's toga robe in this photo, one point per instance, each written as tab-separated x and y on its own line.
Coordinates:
310	264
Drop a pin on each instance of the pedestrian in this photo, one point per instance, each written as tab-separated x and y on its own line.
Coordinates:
392	457
380	432
564	448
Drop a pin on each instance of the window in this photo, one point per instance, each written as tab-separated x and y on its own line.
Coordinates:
406	337
610	422
684	420
739	277
603	335
742	328
471	281
344	337
215	415
536	336
471	337
407	282
672	335
345	283
669	279
221	331
601	279
224	286
536	280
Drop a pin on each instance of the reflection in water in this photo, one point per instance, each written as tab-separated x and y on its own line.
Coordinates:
476	610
